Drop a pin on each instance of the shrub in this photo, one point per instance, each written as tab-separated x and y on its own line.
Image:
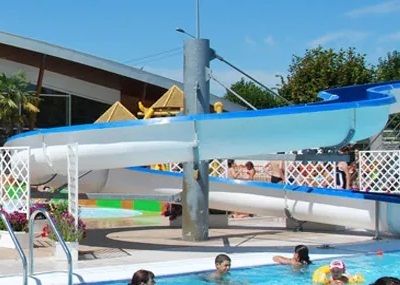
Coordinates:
65	224
17	220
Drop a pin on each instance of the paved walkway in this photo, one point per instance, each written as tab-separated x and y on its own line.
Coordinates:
249	241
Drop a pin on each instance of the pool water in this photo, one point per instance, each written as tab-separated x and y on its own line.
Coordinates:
370	266
101	213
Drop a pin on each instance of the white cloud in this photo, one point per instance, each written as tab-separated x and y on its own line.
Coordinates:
269	41
383	8
249	41
347	37
394	37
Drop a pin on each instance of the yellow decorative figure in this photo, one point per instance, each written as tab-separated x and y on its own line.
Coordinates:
218	107
147	112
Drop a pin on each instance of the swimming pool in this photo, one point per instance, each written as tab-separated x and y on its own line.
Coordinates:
101	213
370	266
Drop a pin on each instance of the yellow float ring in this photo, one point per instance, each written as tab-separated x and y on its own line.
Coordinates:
322	275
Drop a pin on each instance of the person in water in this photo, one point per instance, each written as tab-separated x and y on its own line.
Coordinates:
338	273
300	257
143	277
387	280
222	267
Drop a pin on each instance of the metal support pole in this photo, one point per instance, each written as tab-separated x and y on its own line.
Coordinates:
377	214
195	178
197	19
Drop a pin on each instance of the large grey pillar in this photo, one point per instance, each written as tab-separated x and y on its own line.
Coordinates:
195	178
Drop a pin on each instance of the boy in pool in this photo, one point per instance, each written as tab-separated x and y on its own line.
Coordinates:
222	266
338	273
221	275
300	257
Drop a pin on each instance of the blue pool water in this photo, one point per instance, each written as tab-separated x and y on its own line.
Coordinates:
370	266
101	213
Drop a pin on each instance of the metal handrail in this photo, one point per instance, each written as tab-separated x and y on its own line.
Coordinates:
59	238
17	247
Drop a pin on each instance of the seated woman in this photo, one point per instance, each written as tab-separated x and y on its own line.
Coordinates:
300	257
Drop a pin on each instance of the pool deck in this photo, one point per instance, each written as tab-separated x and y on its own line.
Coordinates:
114	254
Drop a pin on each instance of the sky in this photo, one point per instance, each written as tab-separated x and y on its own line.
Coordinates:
258	36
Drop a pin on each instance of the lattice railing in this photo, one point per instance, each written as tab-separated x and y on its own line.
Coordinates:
217	167
375	171
379	171
14	179
311	173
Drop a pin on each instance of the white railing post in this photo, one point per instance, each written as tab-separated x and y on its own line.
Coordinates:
73	182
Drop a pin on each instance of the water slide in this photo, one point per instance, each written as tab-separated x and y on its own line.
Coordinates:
106	150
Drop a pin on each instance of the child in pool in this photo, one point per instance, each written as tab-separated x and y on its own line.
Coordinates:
222	266
300	257
338	273
143	277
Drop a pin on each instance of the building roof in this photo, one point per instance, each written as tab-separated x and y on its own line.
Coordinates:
87	67
117	112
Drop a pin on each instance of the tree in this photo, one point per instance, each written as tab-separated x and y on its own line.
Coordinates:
259	98
322	69
16	102
389	68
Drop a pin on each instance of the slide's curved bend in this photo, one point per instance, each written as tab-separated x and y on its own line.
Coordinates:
361	111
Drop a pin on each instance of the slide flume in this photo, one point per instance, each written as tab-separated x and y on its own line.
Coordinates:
346	114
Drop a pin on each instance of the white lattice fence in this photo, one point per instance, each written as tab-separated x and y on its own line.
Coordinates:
217	167
311	173
14	179
379	171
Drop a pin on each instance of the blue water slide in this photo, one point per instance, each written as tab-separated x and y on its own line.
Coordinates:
345	114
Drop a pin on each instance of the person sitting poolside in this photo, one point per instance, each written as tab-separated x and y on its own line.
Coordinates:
143	277
300	257
387	280
338	273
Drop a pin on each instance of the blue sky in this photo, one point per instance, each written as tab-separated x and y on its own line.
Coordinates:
259	36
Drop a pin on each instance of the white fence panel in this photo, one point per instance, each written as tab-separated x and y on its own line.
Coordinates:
379	171
311	173
14	179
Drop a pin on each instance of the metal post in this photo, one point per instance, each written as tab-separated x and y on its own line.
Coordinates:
377	214
197	19
195	179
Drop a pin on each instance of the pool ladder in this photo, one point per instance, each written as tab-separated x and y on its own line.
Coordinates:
21	253
17	247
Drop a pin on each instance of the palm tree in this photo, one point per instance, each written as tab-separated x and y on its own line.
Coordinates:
16	102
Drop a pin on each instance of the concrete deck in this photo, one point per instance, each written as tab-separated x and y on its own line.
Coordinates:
114	254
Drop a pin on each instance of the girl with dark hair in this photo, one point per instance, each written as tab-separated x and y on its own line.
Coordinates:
250	171
143	277
300	257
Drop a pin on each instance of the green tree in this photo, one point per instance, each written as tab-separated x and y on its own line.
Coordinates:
256	96
389	67
16	102
321	69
